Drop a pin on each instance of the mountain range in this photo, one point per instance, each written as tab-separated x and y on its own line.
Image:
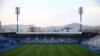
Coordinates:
73	27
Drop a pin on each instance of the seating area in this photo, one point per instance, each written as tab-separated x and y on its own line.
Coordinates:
93	43
6	44
49	40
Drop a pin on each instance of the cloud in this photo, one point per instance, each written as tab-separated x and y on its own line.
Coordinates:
91	16
92	10
32	13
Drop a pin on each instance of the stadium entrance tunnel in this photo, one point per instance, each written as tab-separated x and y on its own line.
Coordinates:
47	37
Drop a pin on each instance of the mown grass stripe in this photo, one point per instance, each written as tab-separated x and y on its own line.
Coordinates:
63	51
71	52
77	51
27	51
43	51
51	50
39	50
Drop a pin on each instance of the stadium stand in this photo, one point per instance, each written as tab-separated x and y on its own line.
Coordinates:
6	43
93	43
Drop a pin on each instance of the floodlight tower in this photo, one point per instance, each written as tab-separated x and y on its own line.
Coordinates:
17	13
80	12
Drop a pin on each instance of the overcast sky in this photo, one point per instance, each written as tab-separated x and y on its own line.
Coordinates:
50	12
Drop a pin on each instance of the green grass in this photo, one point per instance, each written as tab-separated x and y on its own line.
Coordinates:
49	50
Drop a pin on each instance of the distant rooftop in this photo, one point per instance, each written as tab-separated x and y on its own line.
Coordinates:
49	32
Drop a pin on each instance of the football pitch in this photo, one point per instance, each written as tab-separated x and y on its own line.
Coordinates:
49	50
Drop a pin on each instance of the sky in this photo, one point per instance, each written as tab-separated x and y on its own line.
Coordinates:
45	13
